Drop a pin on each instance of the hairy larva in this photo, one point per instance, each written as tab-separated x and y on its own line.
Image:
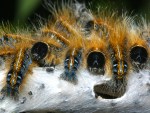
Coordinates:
26	54
77	38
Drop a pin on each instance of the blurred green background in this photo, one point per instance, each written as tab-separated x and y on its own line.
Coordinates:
21	12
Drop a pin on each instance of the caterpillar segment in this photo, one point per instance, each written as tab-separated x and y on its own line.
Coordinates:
16	74
63	17
71	28
56	36
67	21
138	50
118	43
12	39
18	37
62	28
87	21
73	59
5	51
8	52
11	43
71	64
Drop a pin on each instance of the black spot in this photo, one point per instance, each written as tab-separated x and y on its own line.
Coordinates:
39	50
139	54
89	25
96	60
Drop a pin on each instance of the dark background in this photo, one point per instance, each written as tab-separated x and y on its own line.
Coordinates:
25	11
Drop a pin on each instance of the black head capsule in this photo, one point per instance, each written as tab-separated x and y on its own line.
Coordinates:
139	56
88	27
96	62
120	68
39	51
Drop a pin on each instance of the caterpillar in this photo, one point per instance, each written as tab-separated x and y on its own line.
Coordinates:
26	54
77	38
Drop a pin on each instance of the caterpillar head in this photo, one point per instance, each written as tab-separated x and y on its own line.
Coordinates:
96	62
139	56
39	51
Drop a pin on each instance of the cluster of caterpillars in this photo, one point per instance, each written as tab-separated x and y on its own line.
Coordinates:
104	45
